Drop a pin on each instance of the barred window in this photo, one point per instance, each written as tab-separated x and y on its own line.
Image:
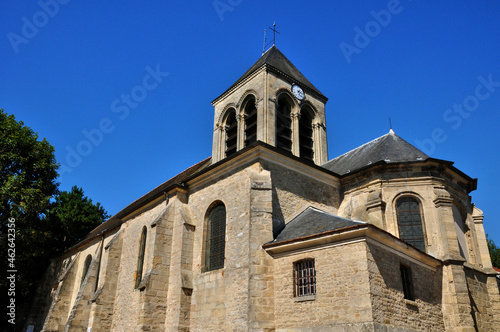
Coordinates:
305	278
140	257
86	267
410	222
216	238
407	282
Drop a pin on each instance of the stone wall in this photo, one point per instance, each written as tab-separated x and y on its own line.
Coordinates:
221	297
343	291
390	308
293	192
481	304
130	303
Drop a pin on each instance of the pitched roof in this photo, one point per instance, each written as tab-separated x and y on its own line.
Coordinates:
274	59
389	148
312	221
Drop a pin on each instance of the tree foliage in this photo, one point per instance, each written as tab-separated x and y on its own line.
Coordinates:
494	252
46	221
28	172
72	216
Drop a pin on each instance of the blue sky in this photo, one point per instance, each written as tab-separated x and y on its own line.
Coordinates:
67	67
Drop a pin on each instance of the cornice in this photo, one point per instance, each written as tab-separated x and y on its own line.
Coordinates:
355	234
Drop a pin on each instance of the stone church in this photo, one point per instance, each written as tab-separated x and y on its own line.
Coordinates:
269	234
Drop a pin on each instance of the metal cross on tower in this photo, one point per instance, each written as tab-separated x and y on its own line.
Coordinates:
274	37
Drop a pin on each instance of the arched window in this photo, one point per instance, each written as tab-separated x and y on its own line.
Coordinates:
250	123
410	221
283	125
231	126
140	257
215	241
306	136
86	267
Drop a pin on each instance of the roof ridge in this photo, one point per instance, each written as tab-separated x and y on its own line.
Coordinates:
359	147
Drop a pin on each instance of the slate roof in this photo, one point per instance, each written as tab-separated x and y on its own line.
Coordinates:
276	60
312	221
389	148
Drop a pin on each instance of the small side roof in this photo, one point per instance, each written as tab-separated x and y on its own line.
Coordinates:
276	60
389	148
313	221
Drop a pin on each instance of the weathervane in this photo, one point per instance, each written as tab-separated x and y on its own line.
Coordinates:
274	37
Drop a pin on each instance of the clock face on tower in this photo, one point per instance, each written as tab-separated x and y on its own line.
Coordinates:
297	92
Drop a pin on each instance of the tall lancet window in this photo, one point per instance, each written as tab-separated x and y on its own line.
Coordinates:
215	241
306	135
231	126
250	123
140	257
283	125
410	221
86	267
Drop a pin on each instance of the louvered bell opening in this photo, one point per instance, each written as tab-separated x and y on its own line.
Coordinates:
250	123
283	127
231	134
305	137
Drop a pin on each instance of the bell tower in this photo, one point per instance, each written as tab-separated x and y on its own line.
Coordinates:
273	103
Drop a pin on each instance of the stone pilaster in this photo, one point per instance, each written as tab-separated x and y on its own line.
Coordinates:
79	316
180	284
240	139
218	150
482	245
261	283
456	300
59	309
320	143
375	208
295	117
103	300
443	203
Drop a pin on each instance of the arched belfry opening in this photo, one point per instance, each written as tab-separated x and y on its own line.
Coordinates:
284	124
306	135
231	128
250	122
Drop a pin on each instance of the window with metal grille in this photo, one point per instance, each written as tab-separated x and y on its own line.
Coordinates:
407	282
140	258
86	267
306	136
305	278
250	123
283	126
231	133
410	222
216	238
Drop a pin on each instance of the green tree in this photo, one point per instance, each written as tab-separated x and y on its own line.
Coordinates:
494	252
28	172
72	216
46	221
